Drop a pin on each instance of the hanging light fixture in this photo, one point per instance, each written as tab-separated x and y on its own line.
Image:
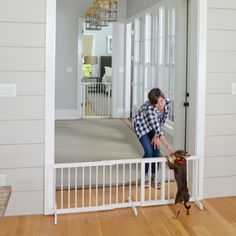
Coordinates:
101	13
113	10
90	21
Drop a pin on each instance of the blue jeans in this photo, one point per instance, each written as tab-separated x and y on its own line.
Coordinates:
149	150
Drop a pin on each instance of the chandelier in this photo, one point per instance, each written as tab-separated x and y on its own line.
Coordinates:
100	14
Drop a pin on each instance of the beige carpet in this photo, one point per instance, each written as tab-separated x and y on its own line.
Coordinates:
95	140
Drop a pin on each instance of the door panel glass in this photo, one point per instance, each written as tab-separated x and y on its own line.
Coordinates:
159	60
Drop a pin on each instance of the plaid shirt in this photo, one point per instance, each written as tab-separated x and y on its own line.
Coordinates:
149	118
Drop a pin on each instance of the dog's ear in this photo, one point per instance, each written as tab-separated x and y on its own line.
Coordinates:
177	154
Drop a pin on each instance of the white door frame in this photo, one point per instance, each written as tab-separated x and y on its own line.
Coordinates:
79	66
197	72
49	104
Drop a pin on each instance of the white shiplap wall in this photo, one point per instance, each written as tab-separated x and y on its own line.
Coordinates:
22	62
220	132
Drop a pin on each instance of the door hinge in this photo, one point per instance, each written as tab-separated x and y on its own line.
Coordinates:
186	104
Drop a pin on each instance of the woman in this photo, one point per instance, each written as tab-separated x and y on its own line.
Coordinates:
148	126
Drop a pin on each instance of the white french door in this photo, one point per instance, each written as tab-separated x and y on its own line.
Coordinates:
159	42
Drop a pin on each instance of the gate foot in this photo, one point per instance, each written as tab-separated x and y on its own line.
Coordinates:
132	206
198	204
55	214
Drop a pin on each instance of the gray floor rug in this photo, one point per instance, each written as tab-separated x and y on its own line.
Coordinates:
95	140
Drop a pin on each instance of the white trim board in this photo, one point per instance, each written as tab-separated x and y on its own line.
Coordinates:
49	103
118	113
197	70
79	66
201	85
196	85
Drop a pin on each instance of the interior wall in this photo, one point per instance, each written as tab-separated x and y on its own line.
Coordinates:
136	6
220	131
22	141
68	13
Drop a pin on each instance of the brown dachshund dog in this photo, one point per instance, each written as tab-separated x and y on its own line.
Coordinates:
177	162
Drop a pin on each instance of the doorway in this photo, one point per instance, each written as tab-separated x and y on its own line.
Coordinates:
95	70
197	52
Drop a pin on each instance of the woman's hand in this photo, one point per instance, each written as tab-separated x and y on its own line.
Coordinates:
155	142
165	143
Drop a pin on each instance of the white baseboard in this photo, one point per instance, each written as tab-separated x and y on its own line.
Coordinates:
67	114
118	113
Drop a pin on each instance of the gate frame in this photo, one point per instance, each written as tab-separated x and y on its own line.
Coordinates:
96	85
195	186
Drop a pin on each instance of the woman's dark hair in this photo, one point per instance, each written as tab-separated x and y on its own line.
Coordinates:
154	94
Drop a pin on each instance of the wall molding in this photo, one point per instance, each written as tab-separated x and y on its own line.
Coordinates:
67	114
118	113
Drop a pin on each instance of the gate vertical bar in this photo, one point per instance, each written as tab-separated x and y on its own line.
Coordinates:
163	179
142	181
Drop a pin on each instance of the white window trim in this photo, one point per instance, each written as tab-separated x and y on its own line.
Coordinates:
197	70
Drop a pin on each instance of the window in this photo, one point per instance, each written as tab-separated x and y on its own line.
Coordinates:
154	55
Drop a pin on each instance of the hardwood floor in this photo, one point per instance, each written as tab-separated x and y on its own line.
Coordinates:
217	218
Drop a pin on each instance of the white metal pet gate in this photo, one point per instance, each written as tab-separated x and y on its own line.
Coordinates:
106	185
96	99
